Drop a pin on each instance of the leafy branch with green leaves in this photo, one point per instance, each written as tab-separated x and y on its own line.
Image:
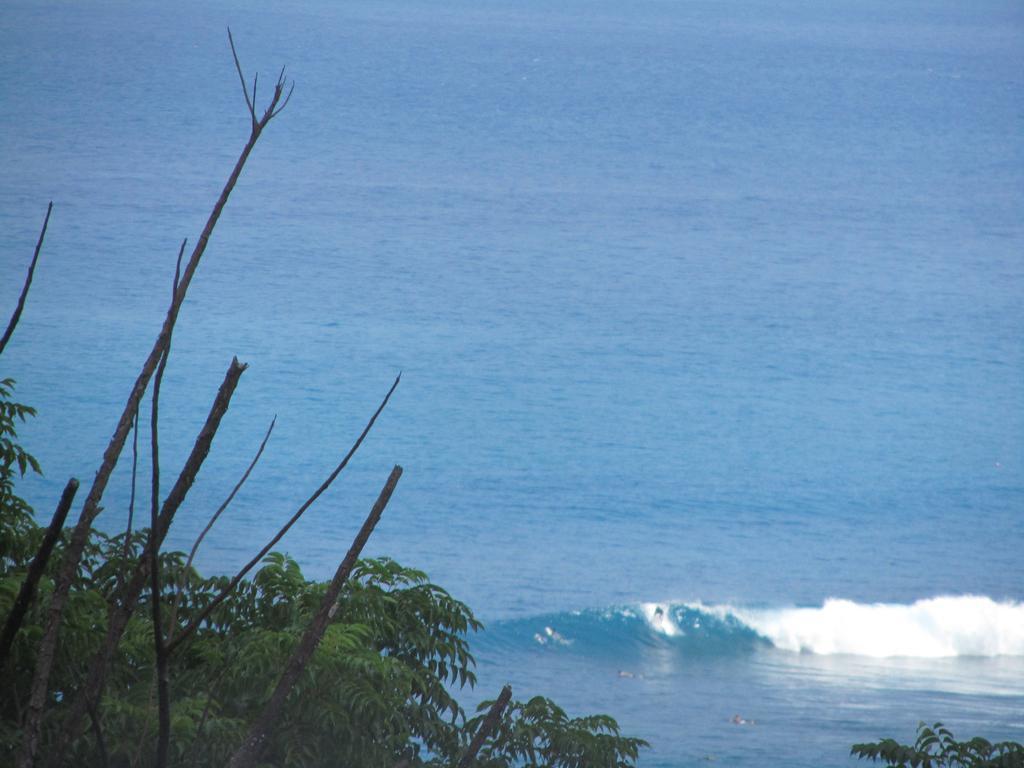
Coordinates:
936	747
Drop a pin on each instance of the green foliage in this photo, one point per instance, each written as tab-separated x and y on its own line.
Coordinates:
16	526
379	689
936	747
12	454
539	733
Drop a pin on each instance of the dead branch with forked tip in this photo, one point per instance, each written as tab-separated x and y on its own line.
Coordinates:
91	507
276	103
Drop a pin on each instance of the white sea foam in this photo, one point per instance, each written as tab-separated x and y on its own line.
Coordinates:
551	636
659	619
933	628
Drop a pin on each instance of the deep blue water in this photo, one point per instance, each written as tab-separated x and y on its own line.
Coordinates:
714	304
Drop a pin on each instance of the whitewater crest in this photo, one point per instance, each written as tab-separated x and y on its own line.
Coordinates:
937	627
932	628
659	618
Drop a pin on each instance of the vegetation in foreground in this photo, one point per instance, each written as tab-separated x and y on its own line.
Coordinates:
378	690
936	747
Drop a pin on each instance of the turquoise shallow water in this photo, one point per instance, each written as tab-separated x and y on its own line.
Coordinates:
695	302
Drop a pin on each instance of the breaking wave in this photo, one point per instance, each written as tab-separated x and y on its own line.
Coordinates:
932	628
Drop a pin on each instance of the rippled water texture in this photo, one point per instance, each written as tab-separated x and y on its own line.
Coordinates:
696	303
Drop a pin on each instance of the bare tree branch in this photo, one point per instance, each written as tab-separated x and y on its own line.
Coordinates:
163	690
37	694
230	587
278	90
250	103
35	572
28	281
177	270
173	622
91	508
486	727
284	103
163	681
131	498
248	754
89	695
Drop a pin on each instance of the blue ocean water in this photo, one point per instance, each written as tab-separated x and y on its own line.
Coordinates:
714	307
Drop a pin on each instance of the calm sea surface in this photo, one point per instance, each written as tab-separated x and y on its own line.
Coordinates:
710	319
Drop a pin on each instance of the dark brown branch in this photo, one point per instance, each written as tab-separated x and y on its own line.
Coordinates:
37	695
284	103
236	580
35	571
28	281
177	269
250	103
162	677
131	498
248	754
231	496
173	623
91	508
201	448
279	89
90	693
163	681
487	726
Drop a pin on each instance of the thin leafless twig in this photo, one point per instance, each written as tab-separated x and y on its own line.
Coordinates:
250	103
230	587
177	269
163	678
131	498
162	675
28	281
173	623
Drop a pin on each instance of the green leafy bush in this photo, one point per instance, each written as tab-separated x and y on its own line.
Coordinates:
380	687
539	732
16	527
936	747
